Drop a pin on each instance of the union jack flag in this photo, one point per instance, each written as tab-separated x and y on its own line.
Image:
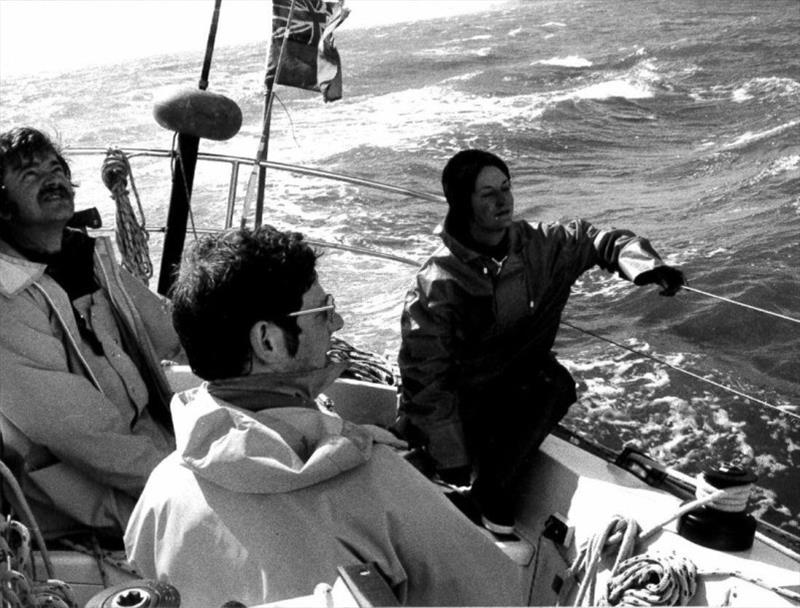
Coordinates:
310	59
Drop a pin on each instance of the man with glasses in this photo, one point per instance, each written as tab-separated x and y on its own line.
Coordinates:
268	493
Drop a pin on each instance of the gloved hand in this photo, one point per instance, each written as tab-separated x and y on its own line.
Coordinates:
457	476
669	278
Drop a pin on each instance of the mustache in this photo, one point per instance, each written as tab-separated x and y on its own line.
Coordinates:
60	189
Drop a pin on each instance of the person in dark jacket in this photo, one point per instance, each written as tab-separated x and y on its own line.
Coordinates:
480	386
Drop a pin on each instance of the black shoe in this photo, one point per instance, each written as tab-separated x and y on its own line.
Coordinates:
497	512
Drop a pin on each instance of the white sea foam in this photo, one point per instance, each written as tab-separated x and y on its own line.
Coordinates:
462	77
750	136
615	88
571	61
785	164
769	87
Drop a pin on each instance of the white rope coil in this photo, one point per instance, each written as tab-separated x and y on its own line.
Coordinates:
653	580
132	235
622	531
733	500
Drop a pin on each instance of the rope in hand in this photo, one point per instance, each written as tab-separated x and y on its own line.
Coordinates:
131	234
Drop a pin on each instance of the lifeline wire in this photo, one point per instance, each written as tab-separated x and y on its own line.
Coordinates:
761	310
683	371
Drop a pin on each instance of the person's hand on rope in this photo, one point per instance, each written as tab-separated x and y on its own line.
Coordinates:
670	279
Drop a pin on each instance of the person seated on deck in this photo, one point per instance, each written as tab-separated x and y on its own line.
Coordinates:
480	386
267	492
83	399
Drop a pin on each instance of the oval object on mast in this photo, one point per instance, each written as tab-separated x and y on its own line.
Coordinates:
199	113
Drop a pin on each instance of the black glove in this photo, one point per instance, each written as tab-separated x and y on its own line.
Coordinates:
457	476
669	278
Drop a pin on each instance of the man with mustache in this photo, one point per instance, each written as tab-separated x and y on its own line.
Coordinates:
83	399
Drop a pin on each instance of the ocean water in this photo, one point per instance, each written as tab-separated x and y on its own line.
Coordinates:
679	120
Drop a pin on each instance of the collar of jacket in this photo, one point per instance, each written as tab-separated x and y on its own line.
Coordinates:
17	273
469	256
257	392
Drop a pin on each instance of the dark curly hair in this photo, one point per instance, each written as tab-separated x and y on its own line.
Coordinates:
458	183
21	144
229	281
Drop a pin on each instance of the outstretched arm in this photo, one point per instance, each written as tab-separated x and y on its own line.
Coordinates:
618	250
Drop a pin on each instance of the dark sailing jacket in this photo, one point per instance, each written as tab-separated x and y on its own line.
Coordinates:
471	320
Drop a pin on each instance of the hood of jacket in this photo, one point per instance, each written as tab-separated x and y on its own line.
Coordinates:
270	451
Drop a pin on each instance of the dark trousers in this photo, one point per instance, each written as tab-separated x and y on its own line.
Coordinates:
507	420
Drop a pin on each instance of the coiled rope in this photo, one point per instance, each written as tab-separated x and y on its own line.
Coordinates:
653	579
18	589
131	233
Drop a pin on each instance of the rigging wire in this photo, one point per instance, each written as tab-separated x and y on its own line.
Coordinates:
756	308
783	409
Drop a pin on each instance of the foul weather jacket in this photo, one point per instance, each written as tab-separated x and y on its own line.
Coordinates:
79	427
261	506
471	320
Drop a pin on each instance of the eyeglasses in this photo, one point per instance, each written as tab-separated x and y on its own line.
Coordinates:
330	308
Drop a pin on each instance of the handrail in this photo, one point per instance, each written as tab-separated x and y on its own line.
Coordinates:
237	161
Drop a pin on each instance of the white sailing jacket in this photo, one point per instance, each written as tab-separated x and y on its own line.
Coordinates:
263	506
77	426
